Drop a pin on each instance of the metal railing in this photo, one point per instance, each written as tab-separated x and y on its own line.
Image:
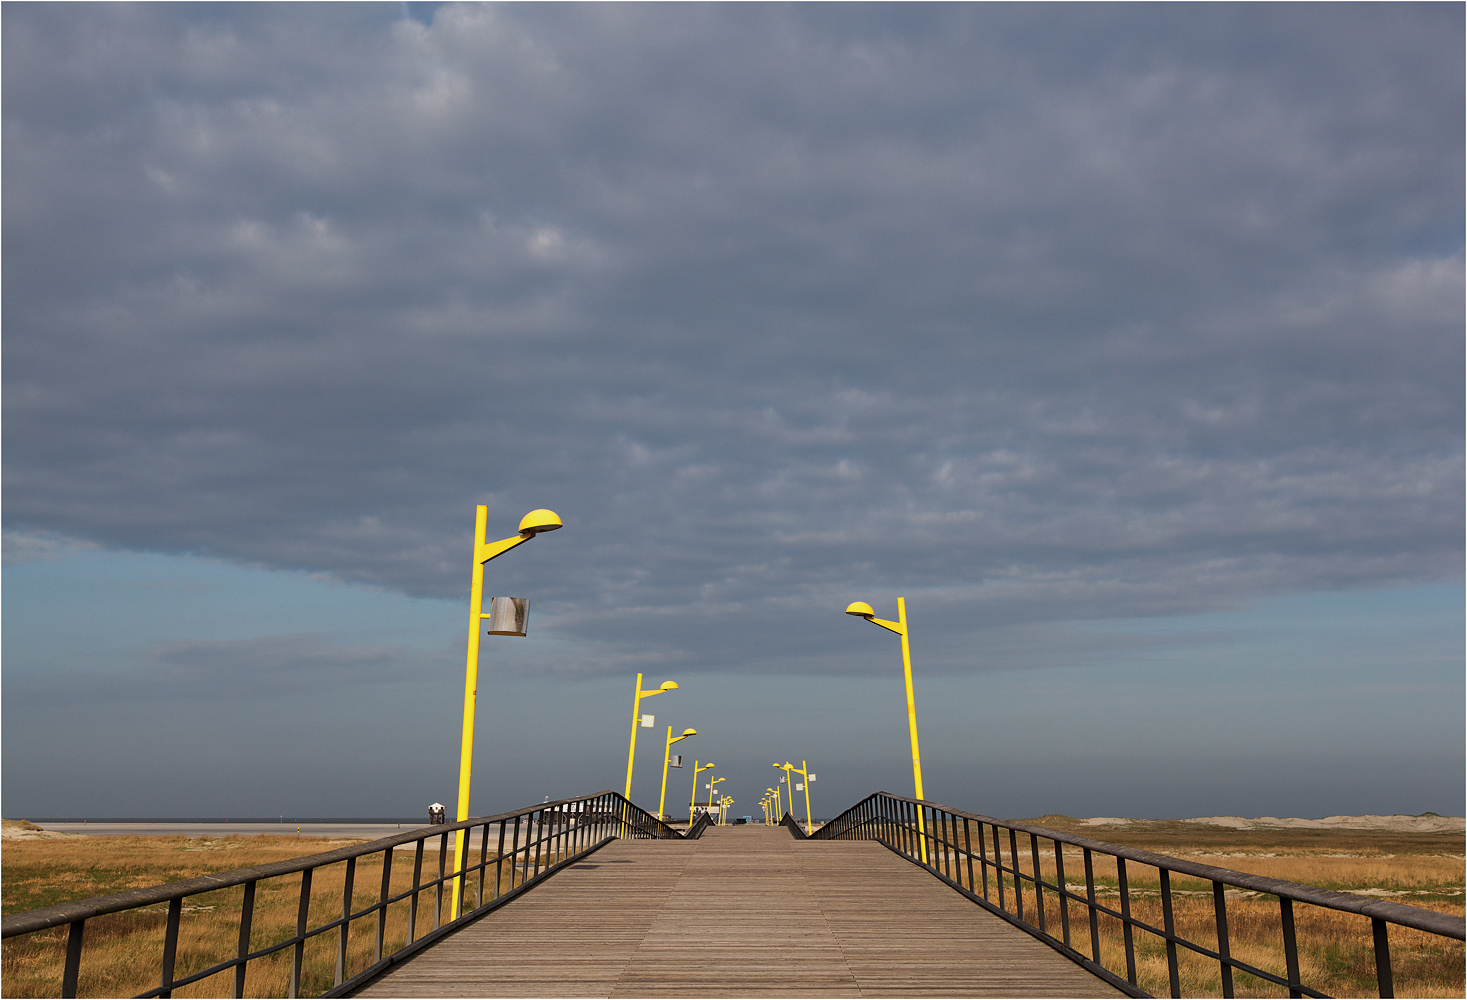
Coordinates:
903	824
516	851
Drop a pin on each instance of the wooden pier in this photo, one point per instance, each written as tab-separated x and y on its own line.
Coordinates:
742	912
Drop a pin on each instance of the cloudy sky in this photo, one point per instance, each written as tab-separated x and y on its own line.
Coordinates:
1125	342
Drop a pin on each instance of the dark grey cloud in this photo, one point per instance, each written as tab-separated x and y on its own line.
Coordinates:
268	666
1035	313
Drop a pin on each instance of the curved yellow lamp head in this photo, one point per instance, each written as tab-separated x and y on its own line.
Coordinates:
668	686
861	609
537	521
690	732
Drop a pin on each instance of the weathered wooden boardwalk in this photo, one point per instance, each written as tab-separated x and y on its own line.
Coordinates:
743	912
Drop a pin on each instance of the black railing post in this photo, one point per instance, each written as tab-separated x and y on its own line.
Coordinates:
71	972
442	875
382	904
1170	925
998	867
412	934
1090	901
483	863
514	850
968	849
1018	882
1063	890
345	928
246	918
302	922
1382	958
1291	946
983	858
1126	934
1220	914
170	946
1038	881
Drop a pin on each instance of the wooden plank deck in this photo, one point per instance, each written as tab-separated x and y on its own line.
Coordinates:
743	912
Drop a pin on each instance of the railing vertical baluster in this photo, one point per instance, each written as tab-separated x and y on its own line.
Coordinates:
539	835
302	922
998	867
1090	901
1018	883
170	946
382	904
939	837
983	859
514	851
442	874
1382	958
1169	924
968	849
246	918
1038	881
499	863
71	972
412	934
1126	934
483	862
1063	890
1291	947
345	928
1220	913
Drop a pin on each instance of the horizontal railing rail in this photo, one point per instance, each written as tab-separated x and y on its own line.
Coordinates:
941	839
528	845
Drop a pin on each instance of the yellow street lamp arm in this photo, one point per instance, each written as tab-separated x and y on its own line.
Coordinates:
863	610
532	524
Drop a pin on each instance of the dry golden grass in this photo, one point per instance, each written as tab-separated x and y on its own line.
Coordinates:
1336	953
123	952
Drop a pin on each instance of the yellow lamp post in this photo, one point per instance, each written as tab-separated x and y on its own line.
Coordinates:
863	610
779	802
724	801
666	756
803	771
693	797
532	524
637	721
710	792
